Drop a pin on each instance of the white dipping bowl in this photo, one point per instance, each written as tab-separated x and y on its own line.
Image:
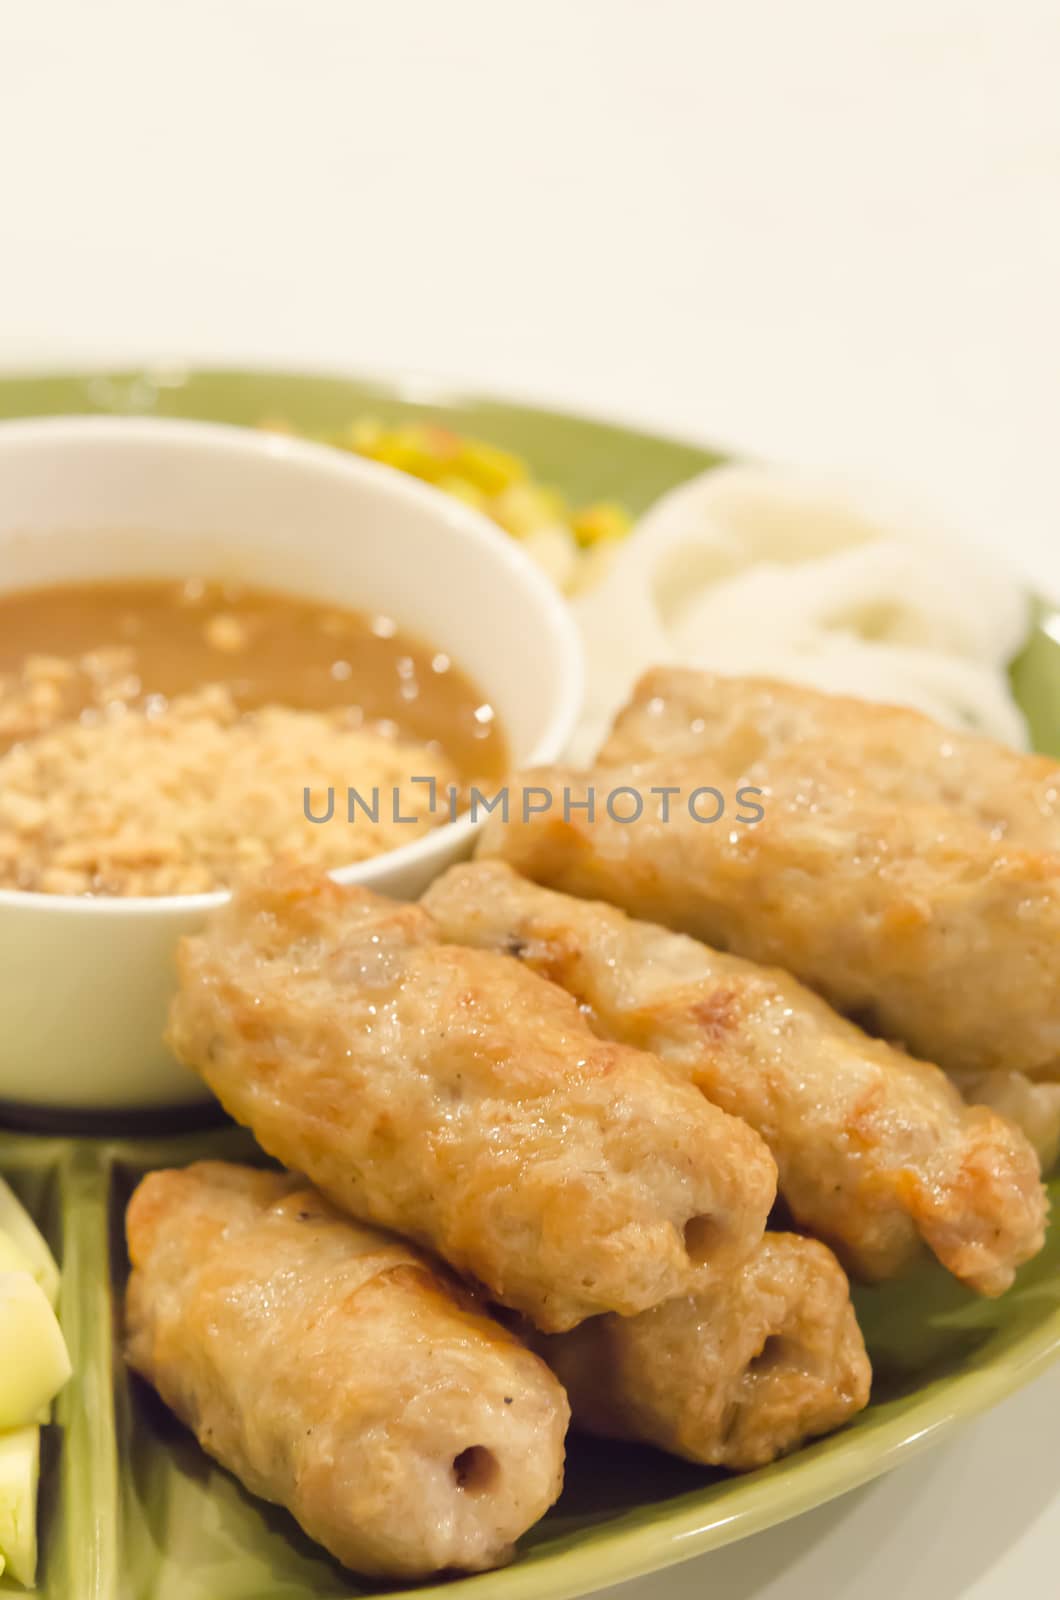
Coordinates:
85	983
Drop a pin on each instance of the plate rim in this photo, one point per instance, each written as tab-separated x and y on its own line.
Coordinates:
424	388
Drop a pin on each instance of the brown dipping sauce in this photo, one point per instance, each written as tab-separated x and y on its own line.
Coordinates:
267	649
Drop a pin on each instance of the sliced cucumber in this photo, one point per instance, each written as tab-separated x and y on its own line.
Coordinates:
19	1476
27	1239
34	1362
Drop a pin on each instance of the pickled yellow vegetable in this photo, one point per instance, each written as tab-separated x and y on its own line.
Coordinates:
19	1477
600	522
463	489
564	541
22	1233
491	469
34	1362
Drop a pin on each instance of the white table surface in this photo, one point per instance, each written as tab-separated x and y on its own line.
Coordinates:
827	232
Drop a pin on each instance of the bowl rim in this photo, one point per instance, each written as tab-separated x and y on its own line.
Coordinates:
258	445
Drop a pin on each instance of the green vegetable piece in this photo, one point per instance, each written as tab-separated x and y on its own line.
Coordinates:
34	1362
23	1233
19	1477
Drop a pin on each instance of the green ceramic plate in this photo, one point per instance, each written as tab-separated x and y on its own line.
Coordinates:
132	1510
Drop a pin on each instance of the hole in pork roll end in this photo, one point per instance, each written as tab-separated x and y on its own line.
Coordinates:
476	1470
702	1237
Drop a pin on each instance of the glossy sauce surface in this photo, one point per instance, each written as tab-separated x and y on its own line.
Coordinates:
266	648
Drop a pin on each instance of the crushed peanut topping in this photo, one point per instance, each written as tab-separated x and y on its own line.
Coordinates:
102	796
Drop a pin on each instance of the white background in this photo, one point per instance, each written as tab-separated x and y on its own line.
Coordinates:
826	230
